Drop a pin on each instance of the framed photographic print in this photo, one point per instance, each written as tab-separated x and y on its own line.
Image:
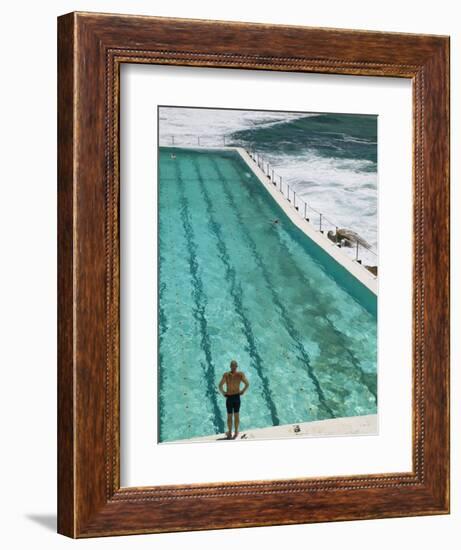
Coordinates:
253	275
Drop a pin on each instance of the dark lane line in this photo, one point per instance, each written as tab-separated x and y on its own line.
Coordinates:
200	304
361	374
161	330
290	328
236	293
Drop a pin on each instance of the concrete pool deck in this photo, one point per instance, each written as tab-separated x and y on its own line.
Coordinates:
350	426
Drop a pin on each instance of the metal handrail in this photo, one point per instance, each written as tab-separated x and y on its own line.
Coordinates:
298	201
196	139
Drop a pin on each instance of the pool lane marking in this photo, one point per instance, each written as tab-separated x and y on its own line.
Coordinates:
305	359
236	293
174	288
161	330
355	363
340	335
163	326
200	303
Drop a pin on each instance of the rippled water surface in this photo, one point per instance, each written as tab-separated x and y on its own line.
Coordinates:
234	285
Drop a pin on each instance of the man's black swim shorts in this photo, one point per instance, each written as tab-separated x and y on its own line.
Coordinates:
233	403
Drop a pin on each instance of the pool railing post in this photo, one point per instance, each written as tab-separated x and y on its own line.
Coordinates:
172	140
198	140
320	225
357	252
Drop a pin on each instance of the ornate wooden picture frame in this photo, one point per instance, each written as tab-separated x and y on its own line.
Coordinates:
92	48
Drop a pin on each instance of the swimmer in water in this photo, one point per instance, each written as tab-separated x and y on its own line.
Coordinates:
172	156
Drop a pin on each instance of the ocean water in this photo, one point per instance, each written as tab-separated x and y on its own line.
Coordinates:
234	285
329	160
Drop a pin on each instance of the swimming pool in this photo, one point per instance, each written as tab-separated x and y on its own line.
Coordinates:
234	285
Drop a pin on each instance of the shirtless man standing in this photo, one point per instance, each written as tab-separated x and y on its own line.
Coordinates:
232	394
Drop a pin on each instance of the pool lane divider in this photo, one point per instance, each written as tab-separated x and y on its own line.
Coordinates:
341	338
327	412
236	293
200	304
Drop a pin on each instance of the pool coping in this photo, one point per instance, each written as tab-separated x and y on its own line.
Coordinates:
365	425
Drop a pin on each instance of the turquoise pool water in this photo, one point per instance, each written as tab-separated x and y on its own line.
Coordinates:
234	285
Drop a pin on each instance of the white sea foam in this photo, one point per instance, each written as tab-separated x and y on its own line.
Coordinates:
213	124
344	190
